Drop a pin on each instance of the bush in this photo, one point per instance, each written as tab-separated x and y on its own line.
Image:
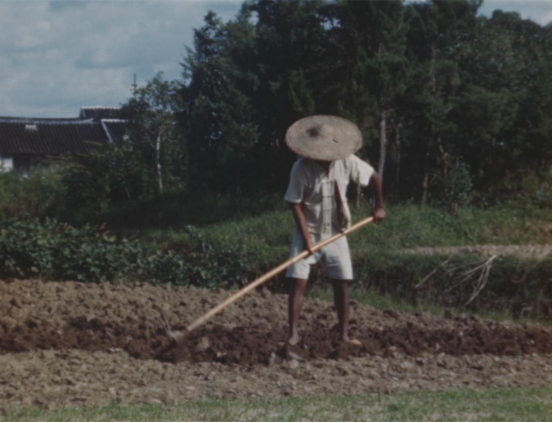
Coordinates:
39	194
57	251
113	176
106	177
221	265
53	250
457	187
528	188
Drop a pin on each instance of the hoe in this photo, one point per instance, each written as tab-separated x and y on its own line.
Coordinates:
178	336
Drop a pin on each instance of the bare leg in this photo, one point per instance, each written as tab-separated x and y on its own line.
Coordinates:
295	304
341	301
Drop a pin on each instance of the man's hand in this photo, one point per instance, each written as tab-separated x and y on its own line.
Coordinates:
379	214
309	245
299	217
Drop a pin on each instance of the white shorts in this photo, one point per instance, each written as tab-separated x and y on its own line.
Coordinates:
337	259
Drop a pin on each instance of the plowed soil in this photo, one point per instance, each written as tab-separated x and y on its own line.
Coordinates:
69	343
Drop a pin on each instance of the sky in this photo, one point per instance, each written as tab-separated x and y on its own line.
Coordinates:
59	55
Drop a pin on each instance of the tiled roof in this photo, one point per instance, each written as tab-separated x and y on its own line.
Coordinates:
50	136
45	136
98	113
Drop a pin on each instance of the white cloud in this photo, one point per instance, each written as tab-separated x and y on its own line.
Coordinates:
537	10
56	56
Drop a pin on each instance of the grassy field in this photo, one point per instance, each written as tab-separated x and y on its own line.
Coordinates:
521	404
265	224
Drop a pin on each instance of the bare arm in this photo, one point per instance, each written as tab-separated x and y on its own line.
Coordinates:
374	185
299	217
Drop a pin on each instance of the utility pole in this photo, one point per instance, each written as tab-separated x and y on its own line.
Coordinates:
134	85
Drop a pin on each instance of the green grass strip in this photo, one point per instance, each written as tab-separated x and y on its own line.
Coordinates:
514	404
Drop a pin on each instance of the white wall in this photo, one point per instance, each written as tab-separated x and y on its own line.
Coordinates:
6	163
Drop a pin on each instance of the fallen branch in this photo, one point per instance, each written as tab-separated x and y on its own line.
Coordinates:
483	280
467	275
431	273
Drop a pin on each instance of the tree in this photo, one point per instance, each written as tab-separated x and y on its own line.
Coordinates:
149	159
512	59
155	134
292	58
217	96
373	36
437	33
432	86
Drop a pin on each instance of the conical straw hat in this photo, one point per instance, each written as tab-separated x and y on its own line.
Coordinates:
324	137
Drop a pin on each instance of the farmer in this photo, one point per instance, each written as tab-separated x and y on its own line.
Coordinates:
317	193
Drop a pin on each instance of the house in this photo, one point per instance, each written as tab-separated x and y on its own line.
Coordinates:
28	142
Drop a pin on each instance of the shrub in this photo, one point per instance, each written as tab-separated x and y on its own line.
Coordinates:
37	195
457	187
58	251
113	176
108	176
527	188
54	250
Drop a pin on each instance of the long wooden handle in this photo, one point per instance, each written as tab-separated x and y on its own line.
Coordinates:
272	273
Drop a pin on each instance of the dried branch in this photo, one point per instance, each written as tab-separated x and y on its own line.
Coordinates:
483	280
431	273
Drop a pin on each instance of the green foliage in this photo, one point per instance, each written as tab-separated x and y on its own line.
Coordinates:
108	176
155	139
268	233
194	261
523	188
457	187
57	251
245	237
37	195
149	160
217	265
174	211
53	250
449	85
455	85
218	120
465	99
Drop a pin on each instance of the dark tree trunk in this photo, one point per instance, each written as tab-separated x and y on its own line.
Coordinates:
425	178
158	162
433	90
383	145
398	166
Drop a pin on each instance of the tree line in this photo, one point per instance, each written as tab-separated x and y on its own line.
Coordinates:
449	102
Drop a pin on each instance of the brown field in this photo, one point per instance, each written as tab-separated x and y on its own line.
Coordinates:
66	343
